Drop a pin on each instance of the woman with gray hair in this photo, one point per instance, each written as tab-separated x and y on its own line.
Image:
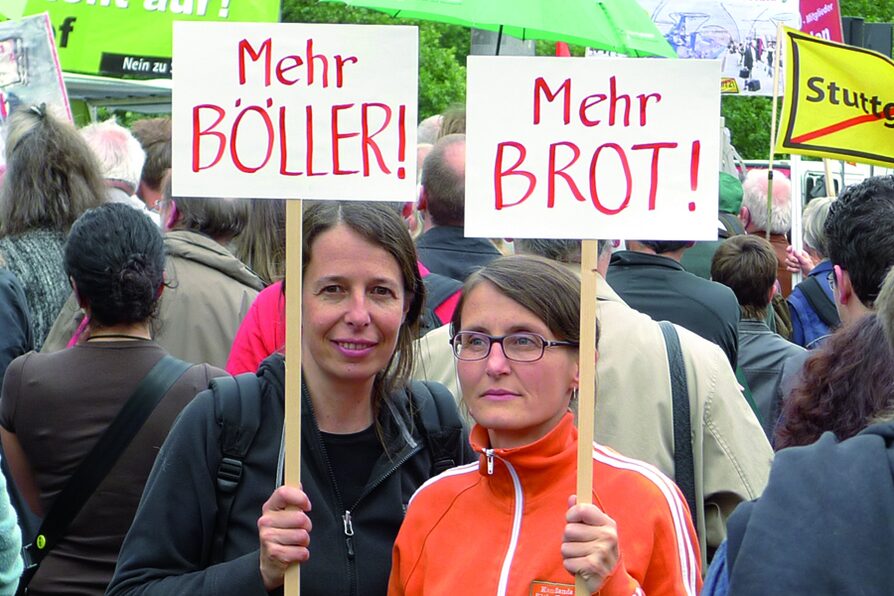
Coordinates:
811	303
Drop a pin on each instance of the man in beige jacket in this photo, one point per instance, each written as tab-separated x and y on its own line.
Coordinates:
633	400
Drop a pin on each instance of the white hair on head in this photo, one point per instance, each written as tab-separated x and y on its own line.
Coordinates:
815	215
755	199
119	153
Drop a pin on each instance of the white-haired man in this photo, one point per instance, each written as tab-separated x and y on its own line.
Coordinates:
754	216
121	159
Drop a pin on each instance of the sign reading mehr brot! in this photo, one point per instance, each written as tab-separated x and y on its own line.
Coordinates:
294	111
592	148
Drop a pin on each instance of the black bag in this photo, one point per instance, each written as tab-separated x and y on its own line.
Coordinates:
97	464
753	85
732	225
744	73
438	288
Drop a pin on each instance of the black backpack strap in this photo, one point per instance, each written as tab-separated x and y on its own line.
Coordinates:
442	428
684	466
732	224
237	409
100	460
819	301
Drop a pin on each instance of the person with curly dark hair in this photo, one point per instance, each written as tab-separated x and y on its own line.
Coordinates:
842	388
55	407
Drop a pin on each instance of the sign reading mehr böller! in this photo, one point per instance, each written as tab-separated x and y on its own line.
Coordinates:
294	111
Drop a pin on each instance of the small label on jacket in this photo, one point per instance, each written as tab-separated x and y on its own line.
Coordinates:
551	589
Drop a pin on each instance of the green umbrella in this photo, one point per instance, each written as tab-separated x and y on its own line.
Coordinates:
615	25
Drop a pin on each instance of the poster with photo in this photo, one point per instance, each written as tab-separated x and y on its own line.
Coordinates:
29	68
740	34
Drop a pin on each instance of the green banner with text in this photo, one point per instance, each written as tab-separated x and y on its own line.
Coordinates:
133	37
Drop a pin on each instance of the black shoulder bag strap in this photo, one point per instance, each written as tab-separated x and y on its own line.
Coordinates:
97	464
237	404
684	466
820	302
442	431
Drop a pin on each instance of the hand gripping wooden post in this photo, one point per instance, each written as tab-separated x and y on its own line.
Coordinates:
586	403
292	422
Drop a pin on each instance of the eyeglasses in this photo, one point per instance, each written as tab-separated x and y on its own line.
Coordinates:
519	347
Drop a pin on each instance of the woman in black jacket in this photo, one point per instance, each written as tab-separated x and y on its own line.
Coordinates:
364	449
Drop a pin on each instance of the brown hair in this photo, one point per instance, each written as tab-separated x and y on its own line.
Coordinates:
154	135
885	306
444	181
378	224
546	288
747	265
453	121
217	218
262	244
52	176
845	385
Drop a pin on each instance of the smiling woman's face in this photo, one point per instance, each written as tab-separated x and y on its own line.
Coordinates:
353	306
518	402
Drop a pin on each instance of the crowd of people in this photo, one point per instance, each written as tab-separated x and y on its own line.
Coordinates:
142	410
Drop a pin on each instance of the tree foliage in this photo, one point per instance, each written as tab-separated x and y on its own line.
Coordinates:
748	120
442	48
874	11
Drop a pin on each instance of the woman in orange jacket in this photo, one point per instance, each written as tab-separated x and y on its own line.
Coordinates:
507	525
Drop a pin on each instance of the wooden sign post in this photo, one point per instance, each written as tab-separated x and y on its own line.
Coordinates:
591	148
294	258
288	110
586	397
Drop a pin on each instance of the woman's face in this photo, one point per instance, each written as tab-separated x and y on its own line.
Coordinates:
518	402
353	306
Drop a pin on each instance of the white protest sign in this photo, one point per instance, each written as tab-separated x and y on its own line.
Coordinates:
293	110
592	148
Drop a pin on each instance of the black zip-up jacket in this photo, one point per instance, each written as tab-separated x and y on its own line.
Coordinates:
168	548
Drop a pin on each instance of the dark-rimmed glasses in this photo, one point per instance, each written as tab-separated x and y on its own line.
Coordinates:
519	347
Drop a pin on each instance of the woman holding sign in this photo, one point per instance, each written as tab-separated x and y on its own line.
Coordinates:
369	438
508	521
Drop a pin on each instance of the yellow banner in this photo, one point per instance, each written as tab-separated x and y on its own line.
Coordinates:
839	101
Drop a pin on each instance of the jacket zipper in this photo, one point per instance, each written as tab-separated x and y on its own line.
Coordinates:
346	518
516	519
349	532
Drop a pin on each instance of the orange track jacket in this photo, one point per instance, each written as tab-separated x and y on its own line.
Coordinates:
496	527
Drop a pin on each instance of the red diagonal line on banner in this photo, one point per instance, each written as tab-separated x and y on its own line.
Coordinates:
809	136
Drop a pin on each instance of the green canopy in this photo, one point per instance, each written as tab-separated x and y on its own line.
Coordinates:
614	25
